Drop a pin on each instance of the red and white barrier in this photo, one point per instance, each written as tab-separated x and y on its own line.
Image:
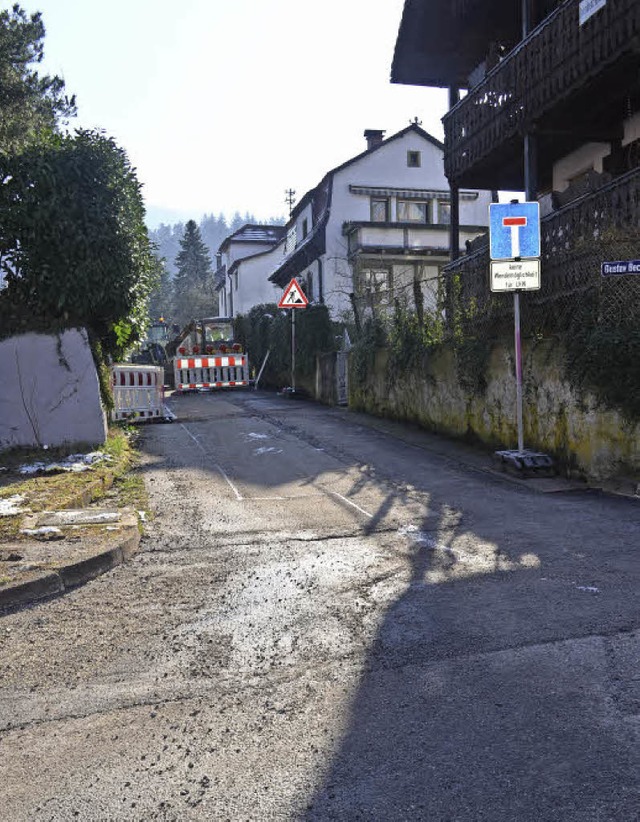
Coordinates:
138	392
222	371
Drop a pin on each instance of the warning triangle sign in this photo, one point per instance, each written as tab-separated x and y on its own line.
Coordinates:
293	297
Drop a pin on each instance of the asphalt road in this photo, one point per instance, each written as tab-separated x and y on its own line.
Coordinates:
332	621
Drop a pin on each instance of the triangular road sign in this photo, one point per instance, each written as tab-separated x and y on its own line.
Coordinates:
293	297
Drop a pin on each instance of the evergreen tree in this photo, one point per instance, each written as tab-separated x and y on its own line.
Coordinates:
167	238
194	291
29	103
214	230
161	298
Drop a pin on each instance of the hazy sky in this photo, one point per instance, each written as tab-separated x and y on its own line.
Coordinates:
221	105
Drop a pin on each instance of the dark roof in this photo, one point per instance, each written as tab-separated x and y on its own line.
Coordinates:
251	233
312	247
440	42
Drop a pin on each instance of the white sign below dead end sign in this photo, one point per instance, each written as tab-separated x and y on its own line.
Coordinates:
515	275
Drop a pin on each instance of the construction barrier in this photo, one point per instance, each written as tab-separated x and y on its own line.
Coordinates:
196	373
138	392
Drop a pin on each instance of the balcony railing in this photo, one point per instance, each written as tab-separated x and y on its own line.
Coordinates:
425	239
595	228
542	71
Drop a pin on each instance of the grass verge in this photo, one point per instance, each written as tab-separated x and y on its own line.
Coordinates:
114	481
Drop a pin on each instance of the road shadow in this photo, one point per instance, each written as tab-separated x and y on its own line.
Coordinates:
472	706
486	692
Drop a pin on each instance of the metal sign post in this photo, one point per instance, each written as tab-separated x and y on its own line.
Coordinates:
293	351
518	349
293	297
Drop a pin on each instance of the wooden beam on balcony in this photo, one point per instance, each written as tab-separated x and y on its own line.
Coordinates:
586	133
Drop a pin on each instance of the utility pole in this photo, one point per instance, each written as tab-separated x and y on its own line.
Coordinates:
290	198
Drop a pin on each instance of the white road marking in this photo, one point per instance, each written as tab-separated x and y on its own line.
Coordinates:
218	468
352	504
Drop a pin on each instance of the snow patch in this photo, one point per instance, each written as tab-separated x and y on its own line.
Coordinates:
44	531
10	506
74	463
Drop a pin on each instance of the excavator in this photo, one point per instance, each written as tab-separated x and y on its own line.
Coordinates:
206	357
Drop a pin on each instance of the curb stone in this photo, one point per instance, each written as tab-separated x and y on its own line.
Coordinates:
57	581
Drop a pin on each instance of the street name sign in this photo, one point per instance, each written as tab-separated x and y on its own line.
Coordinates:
512	275
514	230
620	267
293	297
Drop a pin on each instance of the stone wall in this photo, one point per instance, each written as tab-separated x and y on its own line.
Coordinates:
585	439
325	390
49	392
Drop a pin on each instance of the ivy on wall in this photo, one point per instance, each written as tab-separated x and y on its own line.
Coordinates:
268	328
605	360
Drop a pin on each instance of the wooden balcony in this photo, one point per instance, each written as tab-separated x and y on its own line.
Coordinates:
576	239
567	83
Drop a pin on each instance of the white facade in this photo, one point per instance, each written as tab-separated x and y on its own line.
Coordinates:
241	275
248	285
381	218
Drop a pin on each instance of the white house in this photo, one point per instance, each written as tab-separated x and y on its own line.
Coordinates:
372	229
241	270
376	226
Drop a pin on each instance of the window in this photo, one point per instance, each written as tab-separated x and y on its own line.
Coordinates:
320	283
375	285
310	286
305	228
413	159
290	241
444	212
412	211
235	276
379	209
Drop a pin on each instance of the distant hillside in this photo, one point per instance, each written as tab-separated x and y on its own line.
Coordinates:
214	231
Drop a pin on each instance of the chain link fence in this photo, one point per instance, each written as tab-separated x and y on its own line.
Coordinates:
573	294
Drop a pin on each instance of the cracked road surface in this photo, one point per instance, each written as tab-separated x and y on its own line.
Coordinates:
330	621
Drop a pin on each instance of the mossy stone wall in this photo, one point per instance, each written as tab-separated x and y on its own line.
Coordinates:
586	438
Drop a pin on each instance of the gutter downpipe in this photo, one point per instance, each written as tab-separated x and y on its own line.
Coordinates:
454	222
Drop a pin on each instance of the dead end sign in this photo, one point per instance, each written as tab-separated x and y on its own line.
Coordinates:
293	297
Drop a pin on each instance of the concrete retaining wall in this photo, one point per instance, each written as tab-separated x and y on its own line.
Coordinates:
49	392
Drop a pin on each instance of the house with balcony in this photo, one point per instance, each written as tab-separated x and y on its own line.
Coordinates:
545	100
242	265
377	227
551	108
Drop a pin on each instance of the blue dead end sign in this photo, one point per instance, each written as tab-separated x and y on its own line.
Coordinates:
514	230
